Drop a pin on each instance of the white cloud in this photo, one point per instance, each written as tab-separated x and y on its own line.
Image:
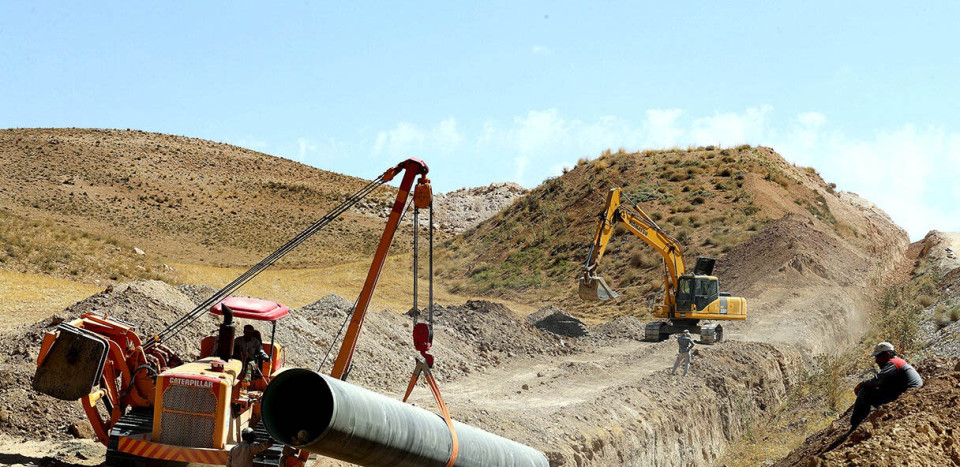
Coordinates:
446	136
539	130
730	129
910	172
403	139
407	139
305	146
540	50
520	164
661	127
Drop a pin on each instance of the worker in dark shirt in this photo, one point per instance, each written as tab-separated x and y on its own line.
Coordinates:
685	345
894	378
249	349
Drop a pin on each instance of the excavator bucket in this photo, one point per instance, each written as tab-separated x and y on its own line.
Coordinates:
72	365
594	288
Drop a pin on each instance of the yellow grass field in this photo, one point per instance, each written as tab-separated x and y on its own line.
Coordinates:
28	298
298	287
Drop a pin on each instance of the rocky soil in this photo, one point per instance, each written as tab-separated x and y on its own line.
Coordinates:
599	399
919	429
464	209
922	427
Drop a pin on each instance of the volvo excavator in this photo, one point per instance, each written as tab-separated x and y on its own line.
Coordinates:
151	408
688	297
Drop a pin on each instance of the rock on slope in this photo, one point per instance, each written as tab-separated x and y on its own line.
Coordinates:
463	209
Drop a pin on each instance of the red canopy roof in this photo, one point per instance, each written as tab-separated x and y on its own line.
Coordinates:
252	308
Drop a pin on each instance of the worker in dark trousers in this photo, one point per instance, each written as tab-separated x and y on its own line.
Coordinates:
685	343
249	349
894	378
242	454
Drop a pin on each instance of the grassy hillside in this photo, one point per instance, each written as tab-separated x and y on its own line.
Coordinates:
177	198
710	199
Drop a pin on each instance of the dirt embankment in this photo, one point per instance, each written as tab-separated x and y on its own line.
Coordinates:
601	399
812	282
919	429
922	427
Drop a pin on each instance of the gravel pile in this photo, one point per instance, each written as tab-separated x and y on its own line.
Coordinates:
557	321
463	209
468	338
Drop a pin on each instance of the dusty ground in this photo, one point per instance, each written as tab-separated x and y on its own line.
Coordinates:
808	259
921	428
576	399
597	400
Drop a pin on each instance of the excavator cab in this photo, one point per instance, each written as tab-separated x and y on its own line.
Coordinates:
696	291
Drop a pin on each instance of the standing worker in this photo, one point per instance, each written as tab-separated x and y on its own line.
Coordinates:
242	454
894	378
685	342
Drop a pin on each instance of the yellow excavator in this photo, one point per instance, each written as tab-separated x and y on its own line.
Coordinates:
689	297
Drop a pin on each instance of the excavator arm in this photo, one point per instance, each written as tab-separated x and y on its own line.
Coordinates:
637	222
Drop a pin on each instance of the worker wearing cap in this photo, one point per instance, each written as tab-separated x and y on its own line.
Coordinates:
242	454
894	378
685	343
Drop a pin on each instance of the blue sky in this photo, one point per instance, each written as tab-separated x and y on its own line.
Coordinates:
866	92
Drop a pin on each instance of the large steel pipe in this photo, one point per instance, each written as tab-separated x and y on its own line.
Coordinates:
336	419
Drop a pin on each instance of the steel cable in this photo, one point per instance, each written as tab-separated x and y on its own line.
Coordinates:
177	326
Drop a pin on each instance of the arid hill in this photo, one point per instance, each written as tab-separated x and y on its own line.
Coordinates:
712	200
73	199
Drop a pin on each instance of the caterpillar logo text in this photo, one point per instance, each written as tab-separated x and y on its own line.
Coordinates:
192	382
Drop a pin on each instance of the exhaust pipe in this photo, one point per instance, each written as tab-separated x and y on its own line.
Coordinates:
326	416
228	331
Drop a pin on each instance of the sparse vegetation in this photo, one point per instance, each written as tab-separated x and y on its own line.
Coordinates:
700	196
46	248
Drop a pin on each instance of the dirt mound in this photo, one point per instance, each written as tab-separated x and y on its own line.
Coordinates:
623	327
807	284
463	209
469	338
921	428
554	320
197	293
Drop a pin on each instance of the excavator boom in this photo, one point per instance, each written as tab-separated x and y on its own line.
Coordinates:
592	287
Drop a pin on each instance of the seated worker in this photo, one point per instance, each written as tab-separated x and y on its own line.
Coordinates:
894	378
249	349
